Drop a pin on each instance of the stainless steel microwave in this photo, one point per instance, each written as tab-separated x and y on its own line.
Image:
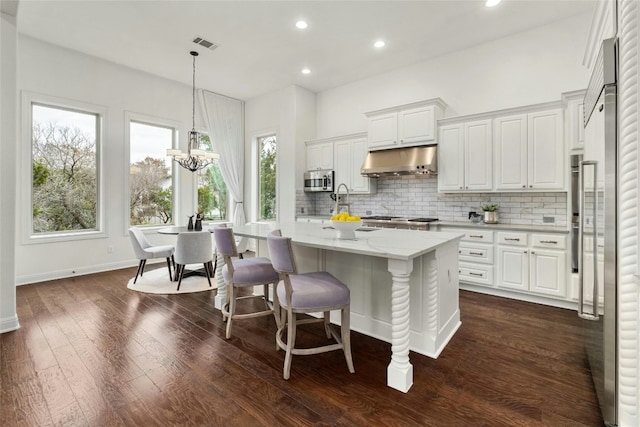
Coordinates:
320	180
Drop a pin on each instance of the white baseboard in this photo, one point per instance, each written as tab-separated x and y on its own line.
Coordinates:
570	305
9	324
80	271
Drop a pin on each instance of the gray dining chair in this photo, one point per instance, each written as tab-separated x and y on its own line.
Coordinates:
307	293
193	247
145	250
242	273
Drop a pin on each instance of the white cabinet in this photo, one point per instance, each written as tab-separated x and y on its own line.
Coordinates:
349	154
406	125
537	266
319	155
465	157
574	120
475	256
529	151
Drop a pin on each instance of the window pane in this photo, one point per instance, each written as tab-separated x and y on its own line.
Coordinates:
64	169
212	191
267	178
150	180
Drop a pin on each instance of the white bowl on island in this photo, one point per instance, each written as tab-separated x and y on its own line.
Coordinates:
346	230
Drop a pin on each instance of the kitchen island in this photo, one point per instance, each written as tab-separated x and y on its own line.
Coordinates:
404	284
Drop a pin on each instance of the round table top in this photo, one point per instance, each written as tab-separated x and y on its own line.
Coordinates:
183	229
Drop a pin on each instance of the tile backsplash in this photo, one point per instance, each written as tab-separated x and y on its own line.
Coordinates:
417	196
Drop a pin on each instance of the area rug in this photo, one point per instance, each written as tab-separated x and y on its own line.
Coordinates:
157	282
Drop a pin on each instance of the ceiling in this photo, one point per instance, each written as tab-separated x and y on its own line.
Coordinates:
260	49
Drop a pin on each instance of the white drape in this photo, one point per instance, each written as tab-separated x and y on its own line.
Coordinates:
224	120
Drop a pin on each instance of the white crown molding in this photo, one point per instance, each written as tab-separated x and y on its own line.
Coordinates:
603	26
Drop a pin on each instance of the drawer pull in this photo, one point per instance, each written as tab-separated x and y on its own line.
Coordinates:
476	236
515	239
475	274
476	253
555	242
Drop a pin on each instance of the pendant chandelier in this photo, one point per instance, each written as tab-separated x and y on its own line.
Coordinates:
195	158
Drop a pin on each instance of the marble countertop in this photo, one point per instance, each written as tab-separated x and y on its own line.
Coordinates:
378	242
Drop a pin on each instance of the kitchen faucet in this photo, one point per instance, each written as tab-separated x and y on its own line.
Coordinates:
338	204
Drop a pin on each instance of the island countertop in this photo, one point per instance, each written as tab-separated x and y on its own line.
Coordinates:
378	242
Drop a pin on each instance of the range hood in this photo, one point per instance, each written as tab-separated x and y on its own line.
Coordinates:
401	161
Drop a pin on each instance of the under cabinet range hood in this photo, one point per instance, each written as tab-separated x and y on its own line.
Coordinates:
401	161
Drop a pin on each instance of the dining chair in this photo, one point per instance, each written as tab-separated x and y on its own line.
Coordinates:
145	250
193	247
307	293
242	273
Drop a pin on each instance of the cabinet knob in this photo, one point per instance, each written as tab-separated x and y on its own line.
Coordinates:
402	140
526	252
533	252
524	186
531	186
461	188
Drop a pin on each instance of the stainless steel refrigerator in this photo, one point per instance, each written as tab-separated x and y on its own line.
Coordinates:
598	229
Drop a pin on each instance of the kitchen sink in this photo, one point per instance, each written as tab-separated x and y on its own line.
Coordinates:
357	229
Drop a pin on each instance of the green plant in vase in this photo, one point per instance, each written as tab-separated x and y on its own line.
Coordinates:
490	213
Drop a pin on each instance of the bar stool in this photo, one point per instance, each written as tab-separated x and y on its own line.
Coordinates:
307	293
242	273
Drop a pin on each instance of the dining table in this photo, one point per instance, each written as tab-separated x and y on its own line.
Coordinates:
175	230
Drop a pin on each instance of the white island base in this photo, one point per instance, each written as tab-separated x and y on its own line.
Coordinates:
404	285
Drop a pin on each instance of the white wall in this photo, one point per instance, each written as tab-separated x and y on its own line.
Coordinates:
8	124
527	68
55	71
290	113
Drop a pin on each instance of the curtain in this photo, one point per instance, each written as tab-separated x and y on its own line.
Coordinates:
224	120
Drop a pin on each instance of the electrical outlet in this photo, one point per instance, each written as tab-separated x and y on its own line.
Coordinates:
301	210
368	213
548	220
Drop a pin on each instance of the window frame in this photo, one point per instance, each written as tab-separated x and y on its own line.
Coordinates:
256	194
159	122
29	99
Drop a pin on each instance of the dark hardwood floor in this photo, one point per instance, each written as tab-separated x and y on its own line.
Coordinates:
91	352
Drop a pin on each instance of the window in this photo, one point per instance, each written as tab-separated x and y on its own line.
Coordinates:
267	177
212	191
150	174
64	169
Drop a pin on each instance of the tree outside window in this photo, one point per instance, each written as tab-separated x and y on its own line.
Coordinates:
267	177
64	169
212	190
150	175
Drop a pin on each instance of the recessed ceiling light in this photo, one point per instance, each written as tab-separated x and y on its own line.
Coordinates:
306	71
301	25
379	44
492	3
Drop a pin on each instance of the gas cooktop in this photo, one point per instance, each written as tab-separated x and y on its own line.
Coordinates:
396	218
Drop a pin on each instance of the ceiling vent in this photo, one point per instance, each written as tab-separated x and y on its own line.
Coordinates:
205	43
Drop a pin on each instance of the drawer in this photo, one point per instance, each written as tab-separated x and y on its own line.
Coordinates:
478	236
475	253
551	241
478	274
512	239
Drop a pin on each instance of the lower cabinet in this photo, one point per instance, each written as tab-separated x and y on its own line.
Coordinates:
533	263
523	262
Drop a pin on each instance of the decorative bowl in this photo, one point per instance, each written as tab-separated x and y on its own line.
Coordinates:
346	230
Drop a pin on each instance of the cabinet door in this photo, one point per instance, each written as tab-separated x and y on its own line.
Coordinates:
513	268
383	130
478	155
416	125
342	163
320	156
359	151
548	272
510	144
451	158
575	124
546	150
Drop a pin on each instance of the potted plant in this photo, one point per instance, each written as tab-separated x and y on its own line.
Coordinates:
490	213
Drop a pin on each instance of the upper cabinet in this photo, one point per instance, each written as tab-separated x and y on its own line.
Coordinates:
350	153
574	120
319	155
464	157
530	151
405	125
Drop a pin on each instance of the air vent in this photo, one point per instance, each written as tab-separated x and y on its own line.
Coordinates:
205	43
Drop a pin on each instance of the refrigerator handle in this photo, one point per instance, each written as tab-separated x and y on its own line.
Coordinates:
581	305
